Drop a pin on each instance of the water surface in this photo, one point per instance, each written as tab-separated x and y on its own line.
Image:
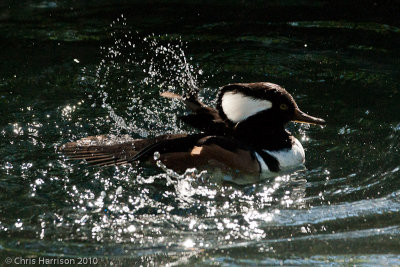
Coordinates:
73	70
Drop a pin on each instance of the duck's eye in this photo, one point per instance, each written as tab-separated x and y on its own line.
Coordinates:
283	107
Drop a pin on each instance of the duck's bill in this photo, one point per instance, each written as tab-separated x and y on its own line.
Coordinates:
301	117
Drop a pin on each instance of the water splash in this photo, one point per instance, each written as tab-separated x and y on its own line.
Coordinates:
133	71
184	184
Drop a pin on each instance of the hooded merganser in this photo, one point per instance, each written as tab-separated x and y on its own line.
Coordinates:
245	133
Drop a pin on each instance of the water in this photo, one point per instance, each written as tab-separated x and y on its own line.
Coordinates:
71	74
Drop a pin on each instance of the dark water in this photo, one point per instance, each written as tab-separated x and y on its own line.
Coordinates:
71	69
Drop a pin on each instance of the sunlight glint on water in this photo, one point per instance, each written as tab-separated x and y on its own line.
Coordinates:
345	202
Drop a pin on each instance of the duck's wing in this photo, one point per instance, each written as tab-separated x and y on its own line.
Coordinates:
107	150
170	145
191	101
204	118
199	150
230	144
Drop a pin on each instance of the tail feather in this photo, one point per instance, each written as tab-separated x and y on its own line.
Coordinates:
107	161
101	150
107	150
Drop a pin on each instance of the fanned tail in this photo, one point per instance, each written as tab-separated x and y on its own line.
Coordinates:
101	150
106	150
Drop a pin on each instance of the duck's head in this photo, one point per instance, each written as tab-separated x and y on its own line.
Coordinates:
265	103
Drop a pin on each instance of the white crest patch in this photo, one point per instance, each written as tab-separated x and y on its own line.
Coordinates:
238	107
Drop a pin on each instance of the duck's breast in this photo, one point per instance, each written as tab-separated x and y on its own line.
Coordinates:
288	158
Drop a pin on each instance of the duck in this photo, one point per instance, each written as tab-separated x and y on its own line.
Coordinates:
244	134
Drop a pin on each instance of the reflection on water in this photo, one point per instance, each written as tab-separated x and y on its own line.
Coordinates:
345	203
